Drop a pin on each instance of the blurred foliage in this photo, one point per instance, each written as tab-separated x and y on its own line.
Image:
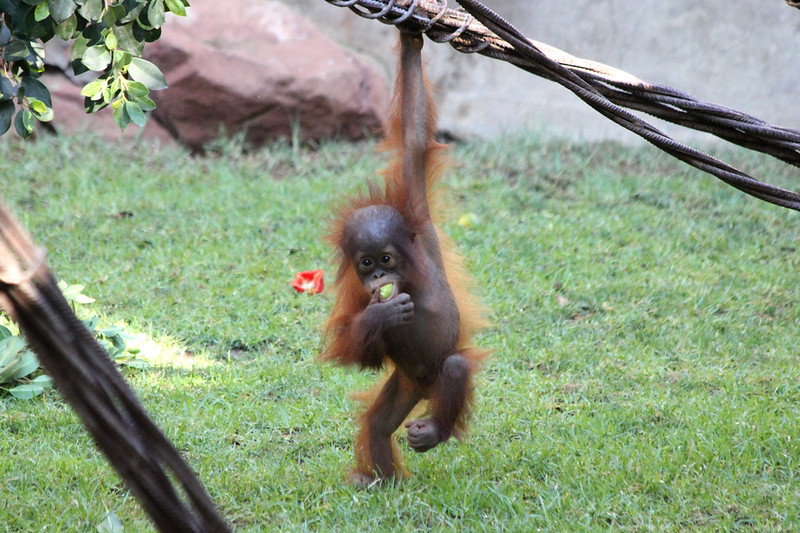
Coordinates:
20	373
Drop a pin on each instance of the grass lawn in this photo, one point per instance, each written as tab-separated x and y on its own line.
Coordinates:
645	319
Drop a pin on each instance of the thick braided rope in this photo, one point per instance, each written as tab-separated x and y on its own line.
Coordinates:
477	29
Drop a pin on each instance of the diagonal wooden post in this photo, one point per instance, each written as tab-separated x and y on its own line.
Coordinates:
89	380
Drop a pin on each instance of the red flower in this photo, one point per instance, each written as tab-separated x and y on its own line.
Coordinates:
309	281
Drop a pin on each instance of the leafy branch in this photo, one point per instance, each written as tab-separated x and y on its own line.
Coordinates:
108	38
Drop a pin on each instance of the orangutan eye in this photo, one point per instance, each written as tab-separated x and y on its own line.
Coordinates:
386	259
366	262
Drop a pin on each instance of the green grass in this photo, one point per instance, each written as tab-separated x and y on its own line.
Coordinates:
645	318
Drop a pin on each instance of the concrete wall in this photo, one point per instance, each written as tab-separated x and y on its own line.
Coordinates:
743	54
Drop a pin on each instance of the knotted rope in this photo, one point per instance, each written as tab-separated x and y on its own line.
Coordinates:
477	29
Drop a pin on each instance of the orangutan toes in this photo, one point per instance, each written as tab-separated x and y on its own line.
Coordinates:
423	434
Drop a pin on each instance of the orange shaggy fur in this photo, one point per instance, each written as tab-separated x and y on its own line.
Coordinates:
352	297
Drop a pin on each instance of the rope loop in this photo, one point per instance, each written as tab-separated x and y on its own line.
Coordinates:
405	16
464	25
438	16
372	16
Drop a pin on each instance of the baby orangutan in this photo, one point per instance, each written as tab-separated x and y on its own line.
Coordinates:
401	299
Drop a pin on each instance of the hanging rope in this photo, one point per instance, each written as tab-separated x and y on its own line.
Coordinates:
477	29
87	378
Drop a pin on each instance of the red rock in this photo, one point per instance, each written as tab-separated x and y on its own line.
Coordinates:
262	68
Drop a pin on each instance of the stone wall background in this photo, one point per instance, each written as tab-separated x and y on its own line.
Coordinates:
743	54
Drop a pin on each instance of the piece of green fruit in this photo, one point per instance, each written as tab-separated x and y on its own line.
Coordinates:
386	291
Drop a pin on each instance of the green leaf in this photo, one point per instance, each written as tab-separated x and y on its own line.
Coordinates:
26	391
120	116
94	88
96	58
79	47
66	29
8	88
71	291
6	114
111	41
135	89
176	6
34	29
145	103
9	348
110	524
93	33
16	50
135	113
24	365
14	15
27	120
46	116
33	88
147	73
23	123
133	362
83	299
128	41
143	33
74	293
30	390
61	10
5	332
133	12
93	106
121	59
44	380
91	324
155	13
40	110
28	364
111	331
92	10
41	12
110	94
119	343
12	344
115	83
113	14
37	55
37	106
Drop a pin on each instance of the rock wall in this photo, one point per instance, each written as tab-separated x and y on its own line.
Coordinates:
738	53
